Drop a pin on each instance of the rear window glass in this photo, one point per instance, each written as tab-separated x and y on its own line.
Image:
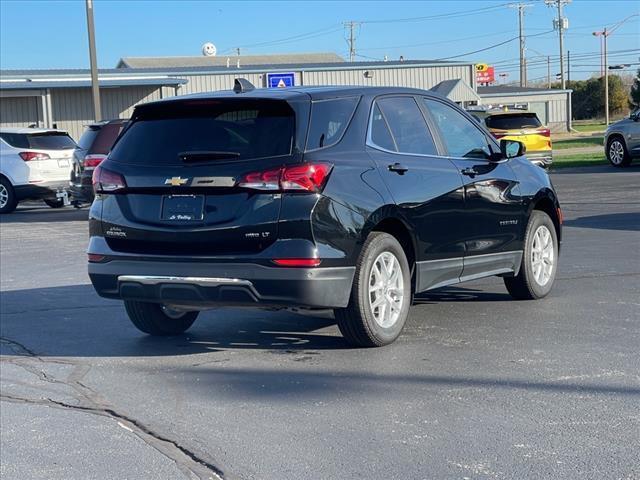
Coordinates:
513	122
87	138
222	130
106	138
40	141
329	120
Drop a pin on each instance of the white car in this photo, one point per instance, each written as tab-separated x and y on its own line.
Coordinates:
35	163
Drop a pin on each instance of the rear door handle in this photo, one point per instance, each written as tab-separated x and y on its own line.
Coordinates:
471	172
398	168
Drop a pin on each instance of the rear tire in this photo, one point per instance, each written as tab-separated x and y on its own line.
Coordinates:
8	201
157	320
539	261
380	295
54	202
617	153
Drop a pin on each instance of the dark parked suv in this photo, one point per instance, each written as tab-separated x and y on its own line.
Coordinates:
93	147
347	198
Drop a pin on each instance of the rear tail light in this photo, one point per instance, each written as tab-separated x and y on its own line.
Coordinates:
545	132
106	181
29	156
92	161
498	136
308	177
297	262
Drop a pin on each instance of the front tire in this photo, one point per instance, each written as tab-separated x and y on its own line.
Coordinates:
8	200
156	319
380	295
539	262
617	153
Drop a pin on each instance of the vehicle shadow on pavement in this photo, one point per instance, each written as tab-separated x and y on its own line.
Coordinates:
46	215
292	385
634	167
458	294
74	322
611	221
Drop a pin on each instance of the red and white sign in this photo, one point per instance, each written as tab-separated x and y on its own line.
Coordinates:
485	74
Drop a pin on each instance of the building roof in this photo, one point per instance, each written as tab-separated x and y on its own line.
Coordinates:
501	90
83	81
231	60
457	90
115	72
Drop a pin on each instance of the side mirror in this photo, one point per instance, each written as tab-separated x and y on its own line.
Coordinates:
635	116
512	148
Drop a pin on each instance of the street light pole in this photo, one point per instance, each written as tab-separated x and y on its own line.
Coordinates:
95	88
605	34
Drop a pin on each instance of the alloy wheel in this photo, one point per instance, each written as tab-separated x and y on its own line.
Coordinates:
616	152
386	289
542	255
4	196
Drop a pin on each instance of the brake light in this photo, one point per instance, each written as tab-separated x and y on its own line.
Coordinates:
106	181
498	136
92	161
545	132
297	262
308	177
29	156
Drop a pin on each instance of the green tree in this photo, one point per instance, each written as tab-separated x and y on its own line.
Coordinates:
635	91
588	97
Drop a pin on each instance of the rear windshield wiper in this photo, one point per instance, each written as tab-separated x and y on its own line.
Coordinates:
205	155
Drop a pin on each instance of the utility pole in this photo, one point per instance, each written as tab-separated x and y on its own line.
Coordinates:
523	61
95	88
548	72
560	23
352	39
568	66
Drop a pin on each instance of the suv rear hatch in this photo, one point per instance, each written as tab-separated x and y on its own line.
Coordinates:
521	126
176	171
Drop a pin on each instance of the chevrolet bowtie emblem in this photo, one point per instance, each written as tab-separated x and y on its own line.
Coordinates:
176	181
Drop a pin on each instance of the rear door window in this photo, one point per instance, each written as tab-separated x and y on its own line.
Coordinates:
215	129
513	121
407	125
329	120
379	131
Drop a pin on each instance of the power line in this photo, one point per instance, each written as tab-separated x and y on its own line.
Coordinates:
491	46
461	13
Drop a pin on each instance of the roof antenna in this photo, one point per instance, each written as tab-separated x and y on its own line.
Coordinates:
242	85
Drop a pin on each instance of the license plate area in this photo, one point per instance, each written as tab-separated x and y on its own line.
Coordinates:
63	163
182	208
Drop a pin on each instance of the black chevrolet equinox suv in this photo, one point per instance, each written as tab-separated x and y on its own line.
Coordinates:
346	198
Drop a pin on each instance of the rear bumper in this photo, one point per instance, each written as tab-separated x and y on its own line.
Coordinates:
542	158
205	284
40	190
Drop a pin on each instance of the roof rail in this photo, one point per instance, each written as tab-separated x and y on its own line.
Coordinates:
242	85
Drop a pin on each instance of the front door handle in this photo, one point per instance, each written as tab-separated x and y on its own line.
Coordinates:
398	168
471	172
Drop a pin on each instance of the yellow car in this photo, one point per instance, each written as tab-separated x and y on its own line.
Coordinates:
522	126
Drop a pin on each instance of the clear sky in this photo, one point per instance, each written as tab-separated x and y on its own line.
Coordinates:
53	34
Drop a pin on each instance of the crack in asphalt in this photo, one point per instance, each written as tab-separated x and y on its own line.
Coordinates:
90	402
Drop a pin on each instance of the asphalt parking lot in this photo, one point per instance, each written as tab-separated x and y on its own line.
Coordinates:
478	386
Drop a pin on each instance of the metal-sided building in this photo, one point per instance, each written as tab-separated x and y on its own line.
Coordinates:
62	98
553	107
